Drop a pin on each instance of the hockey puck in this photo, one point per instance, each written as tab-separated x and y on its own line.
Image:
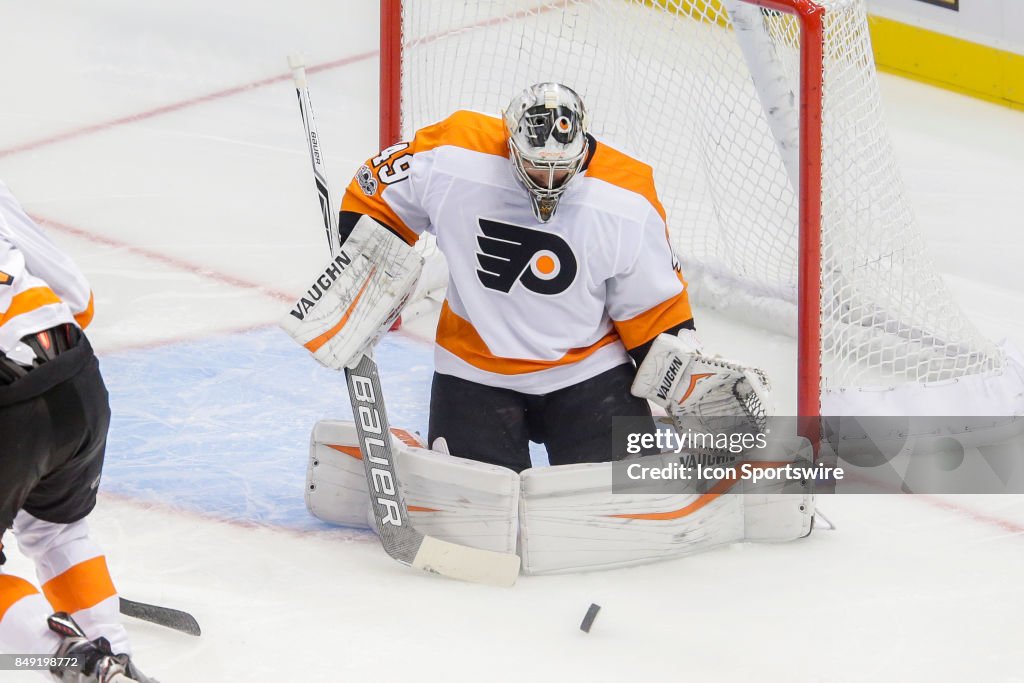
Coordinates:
588	618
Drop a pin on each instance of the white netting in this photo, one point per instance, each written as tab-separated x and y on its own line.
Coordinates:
669	82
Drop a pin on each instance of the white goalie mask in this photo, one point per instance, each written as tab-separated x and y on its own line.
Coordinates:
547	140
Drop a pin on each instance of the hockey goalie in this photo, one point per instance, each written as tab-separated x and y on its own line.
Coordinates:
565	309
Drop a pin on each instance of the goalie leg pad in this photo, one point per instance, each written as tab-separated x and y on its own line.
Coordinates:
571	521
356	297
780	509
452	499
335	477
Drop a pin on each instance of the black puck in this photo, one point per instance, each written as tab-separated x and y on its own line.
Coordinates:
588	618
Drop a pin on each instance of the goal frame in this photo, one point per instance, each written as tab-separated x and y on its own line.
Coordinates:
810	17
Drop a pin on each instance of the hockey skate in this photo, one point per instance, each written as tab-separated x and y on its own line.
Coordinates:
91	660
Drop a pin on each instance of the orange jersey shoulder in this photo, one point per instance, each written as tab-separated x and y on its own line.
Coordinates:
619	169
466	129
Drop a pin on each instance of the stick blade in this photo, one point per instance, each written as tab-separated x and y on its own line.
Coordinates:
467	564
164	616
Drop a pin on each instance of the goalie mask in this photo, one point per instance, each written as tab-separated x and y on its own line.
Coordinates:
547	142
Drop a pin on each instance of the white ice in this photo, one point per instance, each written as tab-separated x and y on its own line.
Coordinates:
128	129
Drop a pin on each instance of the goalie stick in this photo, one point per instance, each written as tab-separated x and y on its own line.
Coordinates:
398	537
298	67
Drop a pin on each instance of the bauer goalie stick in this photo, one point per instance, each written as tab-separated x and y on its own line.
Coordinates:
391	516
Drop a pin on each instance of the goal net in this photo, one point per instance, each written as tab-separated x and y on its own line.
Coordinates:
709	92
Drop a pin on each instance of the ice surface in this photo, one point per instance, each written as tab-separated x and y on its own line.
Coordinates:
227	434
186	196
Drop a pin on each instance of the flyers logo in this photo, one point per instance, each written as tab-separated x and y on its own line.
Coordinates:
5	278
541	261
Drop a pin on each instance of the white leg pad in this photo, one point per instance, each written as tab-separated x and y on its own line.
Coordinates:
780	509
449	498
335	478
566	518
571	521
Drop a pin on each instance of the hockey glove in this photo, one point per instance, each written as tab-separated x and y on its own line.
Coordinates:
703	393
356	297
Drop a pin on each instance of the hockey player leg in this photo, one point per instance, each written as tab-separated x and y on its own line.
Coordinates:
23	609
72	572
577	420
51	528
23	613
81	660
496	433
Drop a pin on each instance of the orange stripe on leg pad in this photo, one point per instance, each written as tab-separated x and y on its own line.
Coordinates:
717	490
721	487
13	589
347	450
84	585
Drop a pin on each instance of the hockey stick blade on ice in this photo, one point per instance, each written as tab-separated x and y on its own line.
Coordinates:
398	537
164	616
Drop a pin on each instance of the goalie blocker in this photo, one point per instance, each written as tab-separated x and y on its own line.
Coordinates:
562	518
356	297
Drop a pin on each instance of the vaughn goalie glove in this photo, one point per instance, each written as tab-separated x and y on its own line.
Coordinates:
698	392
356	297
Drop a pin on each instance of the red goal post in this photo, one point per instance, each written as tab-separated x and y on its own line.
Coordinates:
797	217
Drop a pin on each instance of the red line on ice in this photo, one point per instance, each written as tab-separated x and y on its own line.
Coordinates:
180	264
176	106
936	501
992	520
228	92
183	339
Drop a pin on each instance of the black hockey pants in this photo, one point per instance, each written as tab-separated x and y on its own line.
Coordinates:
495	425
53	433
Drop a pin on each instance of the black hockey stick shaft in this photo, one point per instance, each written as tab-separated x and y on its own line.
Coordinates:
164	616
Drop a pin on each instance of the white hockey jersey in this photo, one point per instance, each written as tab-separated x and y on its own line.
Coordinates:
40	286
531	306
